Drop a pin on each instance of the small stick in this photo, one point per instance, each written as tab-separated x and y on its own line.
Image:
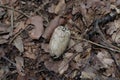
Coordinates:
9	60
15	10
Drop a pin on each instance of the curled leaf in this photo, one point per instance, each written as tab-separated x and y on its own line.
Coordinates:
20	65
38	30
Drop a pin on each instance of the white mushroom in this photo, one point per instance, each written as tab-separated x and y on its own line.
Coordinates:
59	41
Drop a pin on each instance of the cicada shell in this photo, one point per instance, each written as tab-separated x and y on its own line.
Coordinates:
59	41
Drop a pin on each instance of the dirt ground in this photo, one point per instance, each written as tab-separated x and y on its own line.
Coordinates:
59	39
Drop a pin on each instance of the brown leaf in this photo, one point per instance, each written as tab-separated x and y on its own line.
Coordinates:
19	44
105	58
2	41
45	47
3	71
63	68
78	47
19	26
52	65
87	75
30	55
49	30
4	28
4	1
2	53
20	65
38	30
60	7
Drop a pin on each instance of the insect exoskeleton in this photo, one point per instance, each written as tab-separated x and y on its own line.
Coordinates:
59	41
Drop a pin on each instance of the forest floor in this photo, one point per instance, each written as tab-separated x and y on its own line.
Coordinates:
26	34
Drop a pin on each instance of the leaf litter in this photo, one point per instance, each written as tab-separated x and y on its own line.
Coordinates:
92	52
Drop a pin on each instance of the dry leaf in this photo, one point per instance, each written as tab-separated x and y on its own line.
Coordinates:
4	28
63	66
79	47
87	75
30	55
20	65
2	41
71	43
51	9
60	7
19	44
105	58
19	26
3	72
4	2
38	30
45	47
116	37
52	65
49	30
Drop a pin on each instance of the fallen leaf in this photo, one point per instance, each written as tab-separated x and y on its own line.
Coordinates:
50	29
20	65
4	28
38	30
116	37
78	47
87	75
45	47
63	66
60	7
2	53
4	2
71	43
3	72
2	41
19	44
105	58
51	9
30	55
52	65
19	26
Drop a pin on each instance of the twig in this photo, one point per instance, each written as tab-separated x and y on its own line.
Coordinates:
15	10
9	60
12	19
99	45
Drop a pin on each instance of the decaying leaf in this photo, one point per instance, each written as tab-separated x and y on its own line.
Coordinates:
63	66
116	37
87	75
78	47
30	55
38	30
30	51
4	28
59	41
60	7
49	30
2	41
105	58
19	44
20	65
52	65
19	26
3	71
45	47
